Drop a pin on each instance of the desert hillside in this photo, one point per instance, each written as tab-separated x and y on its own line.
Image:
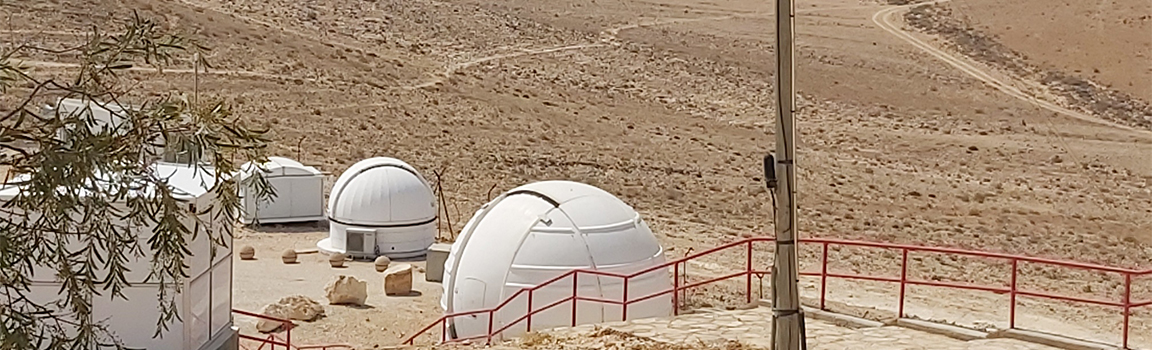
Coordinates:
669	105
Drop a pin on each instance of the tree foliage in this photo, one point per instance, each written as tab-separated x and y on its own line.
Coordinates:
85	196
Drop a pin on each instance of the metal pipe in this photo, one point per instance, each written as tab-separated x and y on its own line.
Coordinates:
624	301
676	289
1012	297
903	281
748	271
491	320
1127	305
575	295
824	277
530	311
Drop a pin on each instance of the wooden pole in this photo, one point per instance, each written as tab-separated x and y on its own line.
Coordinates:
787	320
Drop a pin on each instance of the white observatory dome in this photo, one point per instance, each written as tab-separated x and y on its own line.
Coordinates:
381	206
536	232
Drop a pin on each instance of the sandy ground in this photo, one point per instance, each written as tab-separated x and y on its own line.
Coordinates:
382	321
1070	36
668	103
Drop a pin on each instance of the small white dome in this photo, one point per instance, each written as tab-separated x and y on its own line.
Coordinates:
386	202
536	232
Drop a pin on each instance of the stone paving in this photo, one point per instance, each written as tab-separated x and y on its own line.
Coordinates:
752	327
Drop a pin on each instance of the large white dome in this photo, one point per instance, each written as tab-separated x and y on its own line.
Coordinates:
536	232
385	202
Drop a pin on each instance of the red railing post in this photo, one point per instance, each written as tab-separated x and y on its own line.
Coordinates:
1012	296
530	311
748	276
575	295
624	301
676	289
288	336
903	281
1127	304
824	276
443	332
491	320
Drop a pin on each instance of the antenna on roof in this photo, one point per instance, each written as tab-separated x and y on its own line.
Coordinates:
196	79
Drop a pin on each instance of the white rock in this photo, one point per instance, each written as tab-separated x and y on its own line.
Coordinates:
346	290
398	280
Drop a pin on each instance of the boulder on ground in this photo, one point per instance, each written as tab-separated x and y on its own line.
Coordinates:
295	307
382	263
289	256
274	310
346	290
398	280
337	260
247	253
302	308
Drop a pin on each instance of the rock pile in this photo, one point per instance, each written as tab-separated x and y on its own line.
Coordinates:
295	307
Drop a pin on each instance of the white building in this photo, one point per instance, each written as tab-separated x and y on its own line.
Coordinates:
299	193
536	232
381	206
205	303
106	116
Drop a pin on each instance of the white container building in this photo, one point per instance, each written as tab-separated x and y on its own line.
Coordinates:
536	232
107	116
381	206
205	299
299	193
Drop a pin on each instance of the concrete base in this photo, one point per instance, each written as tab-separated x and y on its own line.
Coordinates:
325	246
437	255
948	330
841	319
832	317
1052	340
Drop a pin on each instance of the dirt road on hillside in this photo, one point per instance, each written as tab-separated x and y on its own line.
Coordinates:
883	19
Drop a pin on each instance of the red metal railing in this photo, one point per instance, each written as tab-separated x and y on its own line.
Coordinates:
273	340
1126	304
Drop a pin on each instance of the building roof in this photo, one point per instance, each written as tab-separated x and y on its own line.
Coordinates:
280	166
186	181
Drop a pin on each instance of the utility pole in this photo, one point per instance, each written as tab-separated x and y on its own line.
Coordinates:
787	318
